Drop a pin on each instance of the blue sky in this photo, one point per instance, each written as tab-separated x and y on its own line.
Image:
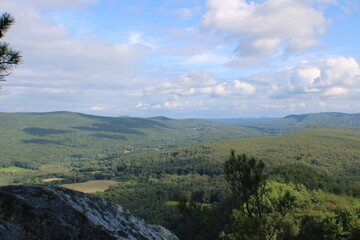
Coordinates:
184	58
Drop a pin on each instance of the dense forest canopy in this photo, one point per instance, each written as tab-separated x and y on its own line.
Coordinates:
310	178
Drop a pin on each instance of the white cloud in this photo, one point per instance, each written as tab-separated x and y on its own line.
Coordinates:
294	106
51	56
144	72
340	70
139	105
303	79
247	62
269	26
98	107
201	83
297	45
336	91
184	104
268	106
322	104
261	46
329	77
332	73
244	88
137	38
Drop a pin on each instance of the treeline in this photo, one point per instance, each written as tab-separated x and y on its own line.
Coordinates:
156	199
318	215
313	180
201	160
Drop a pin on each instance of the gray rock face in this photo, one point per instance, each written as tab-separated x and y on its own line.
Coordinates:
30	212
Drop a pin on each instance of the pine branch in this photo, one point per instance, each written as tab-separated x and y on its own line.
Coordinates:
6	21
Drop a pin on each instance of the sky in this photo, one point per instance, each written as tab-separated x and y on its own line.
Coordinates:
184	58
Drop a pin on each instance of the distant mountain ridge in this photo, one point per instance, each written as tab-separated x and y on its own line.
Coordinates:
297	122
240	120
348	119
66	141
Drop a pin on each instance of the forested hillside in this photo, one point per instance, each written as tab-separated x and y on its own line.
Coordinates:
329	150
150	164
63	141
294	122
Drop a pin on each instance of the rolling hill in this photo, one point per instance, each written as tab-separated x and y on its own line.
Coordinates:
63	143
294	122
59	141
329	149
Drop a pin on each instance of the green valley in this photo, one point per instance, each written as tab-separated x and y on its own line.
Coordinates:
60	142
148	165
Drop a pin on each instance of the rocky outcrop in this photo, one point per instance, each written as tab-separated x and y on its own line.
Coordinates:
51	213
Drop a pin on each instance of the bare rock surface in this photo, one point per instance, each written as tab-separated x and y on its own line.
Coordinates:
29	212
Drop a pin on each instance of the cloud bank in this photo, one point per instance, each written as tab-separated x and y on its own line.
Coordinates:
183	58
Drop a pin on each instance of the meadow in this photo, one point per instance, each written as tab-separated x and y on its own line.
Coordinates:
90	186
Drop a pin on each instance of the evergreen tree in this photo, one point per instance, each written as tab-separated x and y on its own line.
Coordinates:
261	209
9	58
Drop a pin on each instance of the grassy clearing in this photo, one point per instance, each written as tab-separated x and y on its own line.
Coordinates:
172	203
52	180
90	186
13	169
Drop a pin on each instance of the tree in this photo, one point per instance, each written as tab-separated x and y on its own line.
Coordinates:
9	58
261	205
258	209
247	181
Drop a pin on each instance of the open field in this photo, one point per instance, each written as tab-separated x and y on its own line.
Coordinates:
91	186
47	180
13	169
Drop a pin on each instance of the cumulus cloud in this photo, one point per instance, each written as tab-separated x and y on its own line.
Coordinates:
184	104
51	55
268	27
330	77
336	91
201	83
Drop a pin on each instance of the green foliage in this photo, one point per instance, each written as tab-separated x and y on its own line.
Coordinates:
329	152
73	142
247	181
264	210
201	221
261	209
13	169
290	194
312	179
8	57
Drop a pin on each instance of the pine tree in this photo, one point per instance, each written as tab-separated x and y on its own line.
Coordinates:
9	58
